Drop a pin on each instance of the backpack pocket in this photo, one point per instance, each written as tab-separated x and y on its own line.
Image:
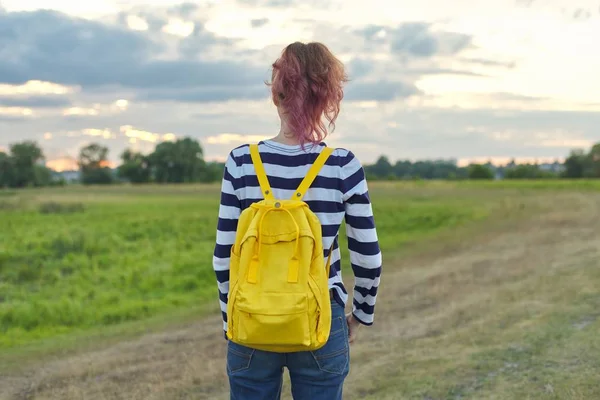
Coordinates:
273	319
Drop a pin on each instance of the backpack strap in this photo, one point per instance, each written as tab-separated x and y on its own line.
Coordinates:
260	172
312	173
328	266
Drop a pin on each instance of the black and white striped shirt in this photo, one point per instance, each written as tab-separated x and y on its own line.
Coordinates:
339	192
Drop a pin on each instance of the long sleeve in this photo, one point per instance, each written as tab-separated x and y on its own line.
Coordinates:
229	213
363	243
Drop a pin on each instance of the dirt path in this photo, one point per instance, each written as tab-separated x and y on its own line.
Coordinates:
421	297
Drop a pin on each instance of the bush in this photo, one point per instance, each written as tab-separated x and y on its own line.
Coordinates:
528	171
478	171
61	208
6	205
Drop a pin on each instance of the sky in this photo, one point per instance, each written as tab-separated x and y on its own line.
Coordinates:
475	81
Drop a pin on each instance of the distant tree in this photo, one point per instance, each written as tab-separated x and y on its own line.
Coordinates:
213	172
135	167
192	158
42	176
578	165
594	160
403	169
178	162
381	169
25	156
527	171
478	171
93	165
462	173
6	170
422	170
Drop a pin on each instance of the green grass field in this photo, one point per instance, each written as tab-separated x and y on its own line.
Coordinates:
83	262
131	253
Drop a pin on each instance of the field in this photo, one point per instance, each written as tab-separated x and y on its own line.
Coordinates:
489	291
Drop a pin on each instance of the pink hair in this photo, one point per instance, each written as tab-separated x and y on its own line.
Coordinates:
307	84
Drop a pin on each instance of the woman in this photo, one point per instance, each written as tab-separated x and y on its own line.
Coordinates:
306	85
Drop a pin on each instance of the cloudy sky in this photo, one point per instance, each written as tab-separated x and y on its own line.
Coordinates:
477	80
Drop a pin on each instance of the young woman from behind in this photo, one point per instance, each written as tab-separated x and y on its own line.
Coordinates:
307	86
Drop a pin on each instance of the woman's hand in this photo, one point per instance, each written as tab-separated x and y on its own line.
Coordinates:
353	326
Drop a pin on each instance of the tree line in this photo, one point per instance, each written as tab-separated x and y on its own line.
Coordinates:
182	161
579	164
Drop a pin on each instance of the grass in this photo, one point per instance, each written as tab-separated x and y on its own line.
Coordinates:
490	290
547	184
514	317
116	261
77	259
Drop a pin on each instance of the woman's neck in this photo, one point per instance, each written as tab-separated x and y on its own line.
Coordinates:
285	136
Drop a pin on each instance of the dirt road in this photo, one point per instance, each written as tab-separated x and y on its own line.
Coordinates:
423	299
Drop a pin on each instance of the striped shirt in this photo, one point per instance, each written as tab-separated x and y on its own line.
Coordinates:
338	193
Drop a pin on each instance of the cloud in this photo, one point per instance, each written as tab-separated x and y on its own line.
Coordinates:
567	143
281	3
61	147
184	10
235	139
50	46
104	133
34	101
374	32
489	63
53	47
89	55
12	119
506	96
35	87
80	111
418	72
524	3
257	23
582	14
159	18
15	111
381	90
359	67
417	39
179	27
129	132
135	134
199	41
141	21
560	138
414	39
202	95
63	164
405	52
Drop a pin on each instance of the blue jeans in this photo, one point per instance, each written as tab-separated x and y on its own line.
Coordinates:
315	375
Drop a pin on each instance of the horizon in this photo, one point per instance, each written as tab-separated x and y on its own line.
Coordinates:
70	164
427	82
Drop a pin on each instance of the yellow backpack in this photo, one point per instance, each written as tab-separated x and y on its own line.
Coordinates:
279	298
